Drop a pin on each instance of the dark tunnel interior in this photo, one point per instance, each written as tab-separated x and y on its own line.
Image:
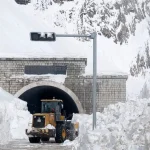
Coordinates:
33	98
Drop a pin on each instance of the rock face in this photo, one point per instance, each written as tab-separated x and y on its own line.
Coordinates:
115	20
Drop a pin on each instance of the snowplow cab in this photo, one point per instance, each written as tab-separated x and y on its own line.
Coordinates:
51	122
49	106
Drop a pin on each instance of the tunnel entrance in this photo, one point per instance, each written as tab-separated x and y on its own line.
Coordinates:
33	98
34	92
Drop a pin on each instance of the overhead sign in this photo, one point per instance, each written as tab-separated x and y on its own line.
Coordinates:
42	36
39	70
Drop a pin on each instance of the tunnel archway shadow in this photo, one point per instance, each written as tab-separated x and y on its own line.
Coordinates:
34	92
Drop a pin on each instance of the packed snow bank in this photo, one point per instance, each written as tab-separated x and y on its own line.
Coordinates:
121	126
53	77
46	77
14	117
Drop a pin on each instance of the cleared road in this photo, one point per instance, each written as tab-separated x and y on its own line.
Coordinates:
25	145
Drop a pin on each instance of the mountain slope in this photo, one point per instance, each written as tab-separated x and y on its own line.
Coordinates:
122	27
111	18
18	21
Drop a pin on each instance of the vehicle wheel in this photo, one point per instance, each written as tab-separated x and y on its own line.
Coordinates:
45	139
34	139
77	133
60	133
71	134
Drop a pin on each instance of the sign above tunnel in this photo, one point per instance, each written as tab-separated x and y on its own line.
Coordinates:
39	70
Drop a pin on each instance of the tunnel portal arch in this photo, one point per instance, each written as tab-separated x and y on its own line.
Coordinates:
54	85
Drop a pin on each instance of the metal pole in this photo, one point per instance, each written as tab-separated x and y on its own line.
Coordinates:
84	95
94	36
72	35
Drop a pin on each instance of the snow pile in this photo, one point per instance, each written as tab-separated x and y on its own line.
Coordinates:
56	78
59	78
49	126
120	126
14	117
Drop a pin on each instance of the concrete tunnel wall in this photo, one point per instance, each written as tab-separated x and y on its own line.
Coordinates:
34	92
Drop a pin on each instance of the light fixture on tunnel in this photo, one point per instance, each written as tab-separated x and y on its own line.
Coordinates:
36	36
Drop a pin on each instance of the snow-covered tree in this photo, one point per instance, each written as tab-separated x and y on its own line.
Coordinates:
145	93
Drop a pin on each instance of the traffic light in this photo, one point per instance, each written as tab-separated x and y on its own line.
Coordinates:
39	36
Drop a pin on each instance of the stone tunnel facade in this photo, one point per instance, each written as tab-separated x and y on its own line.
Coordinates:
20	74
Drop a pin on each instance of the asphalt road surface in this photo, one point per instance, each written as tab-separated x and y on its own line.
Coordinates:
25	145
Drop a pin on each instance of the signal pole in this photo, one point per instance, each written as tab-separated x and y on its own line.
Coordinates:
51	36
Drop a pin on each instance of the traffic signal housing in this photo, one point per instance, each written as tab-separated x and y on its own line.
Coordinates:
46	36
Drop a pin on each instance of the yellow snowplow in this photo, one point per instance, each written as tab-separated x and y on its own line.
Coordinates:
52	123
